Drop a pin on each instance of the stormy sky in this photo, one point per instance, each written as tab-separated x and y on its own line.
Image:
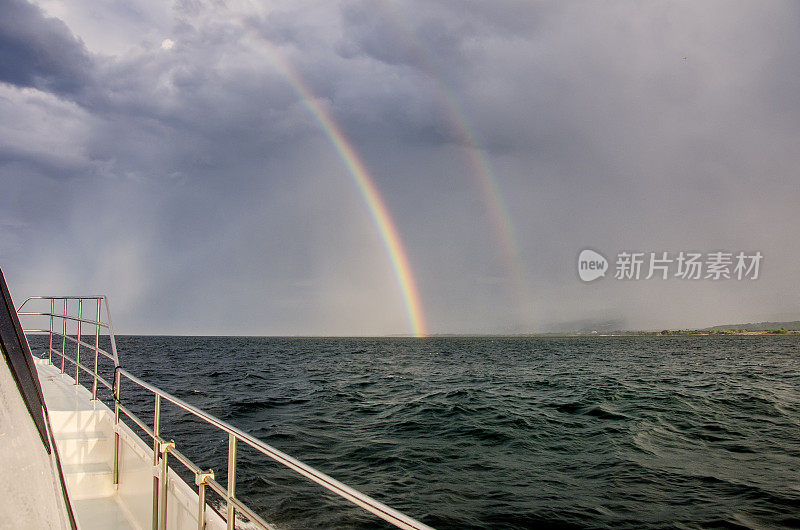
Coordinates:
159	153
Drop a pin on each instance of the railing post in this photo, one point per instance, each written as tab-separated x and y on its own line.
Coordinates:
50	348
117	380
164	449
64	336
96	350
110	328
156	439
231	481
78	344
201	479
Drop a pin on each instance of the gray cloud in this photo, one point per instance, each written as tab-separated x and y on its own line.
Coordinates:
195	187
41	52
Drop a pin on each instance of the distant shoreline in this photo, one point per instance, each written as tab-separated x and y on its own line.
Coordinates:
729	332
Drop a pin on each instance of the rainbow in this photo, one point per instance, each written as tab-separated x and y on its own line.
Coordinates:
363	180
487	181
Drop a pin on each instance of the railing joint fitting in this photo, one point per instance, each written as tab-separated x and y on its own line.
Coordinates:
201	478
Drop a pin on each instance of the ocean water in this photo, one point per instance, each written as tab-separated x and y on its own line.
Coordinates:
595	432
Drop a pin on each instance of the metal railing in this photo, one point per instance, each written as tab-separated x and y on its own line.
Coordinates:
162	449
79	320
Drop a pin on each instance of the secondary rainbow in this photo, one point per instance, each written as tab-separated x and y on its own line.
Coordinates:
487	181
363	180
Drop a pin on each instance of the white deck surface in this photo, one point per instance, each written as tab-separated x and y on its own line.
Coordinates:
84	432
84	435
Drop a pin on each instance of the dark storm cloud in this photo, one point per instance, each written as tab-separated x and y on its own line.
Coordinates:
41	52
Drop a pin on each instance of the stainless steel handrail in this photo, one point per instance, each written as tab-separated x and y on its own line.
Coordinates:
59	315
163	448
75	297
381	510
73	340
89	371
66	316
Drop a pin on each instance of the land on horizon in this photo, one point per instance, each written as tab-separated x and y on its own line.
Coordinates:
752	328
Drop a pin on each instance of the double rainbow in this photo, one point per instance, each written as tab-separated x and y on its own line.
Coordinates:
363	180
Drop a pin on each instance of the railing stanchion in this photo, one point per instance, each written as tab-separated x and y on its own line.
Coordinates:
78	344
110	329
164	449
117	380
201	479
156	438
50	348
96	349
231	481
201	506
64	337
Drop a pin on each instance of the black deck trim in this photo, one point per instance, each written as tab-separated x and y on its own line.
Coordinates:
20	361
18	356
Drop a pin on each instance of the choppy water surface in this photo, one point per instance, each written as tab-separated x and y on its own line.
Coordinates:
622	432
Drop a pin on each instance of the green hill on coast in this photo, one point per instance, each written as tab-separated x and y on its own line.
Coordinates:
759	326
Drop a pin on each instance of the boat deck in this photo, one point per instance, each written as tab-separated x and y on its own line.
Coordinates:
84	433
113	478
84	446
